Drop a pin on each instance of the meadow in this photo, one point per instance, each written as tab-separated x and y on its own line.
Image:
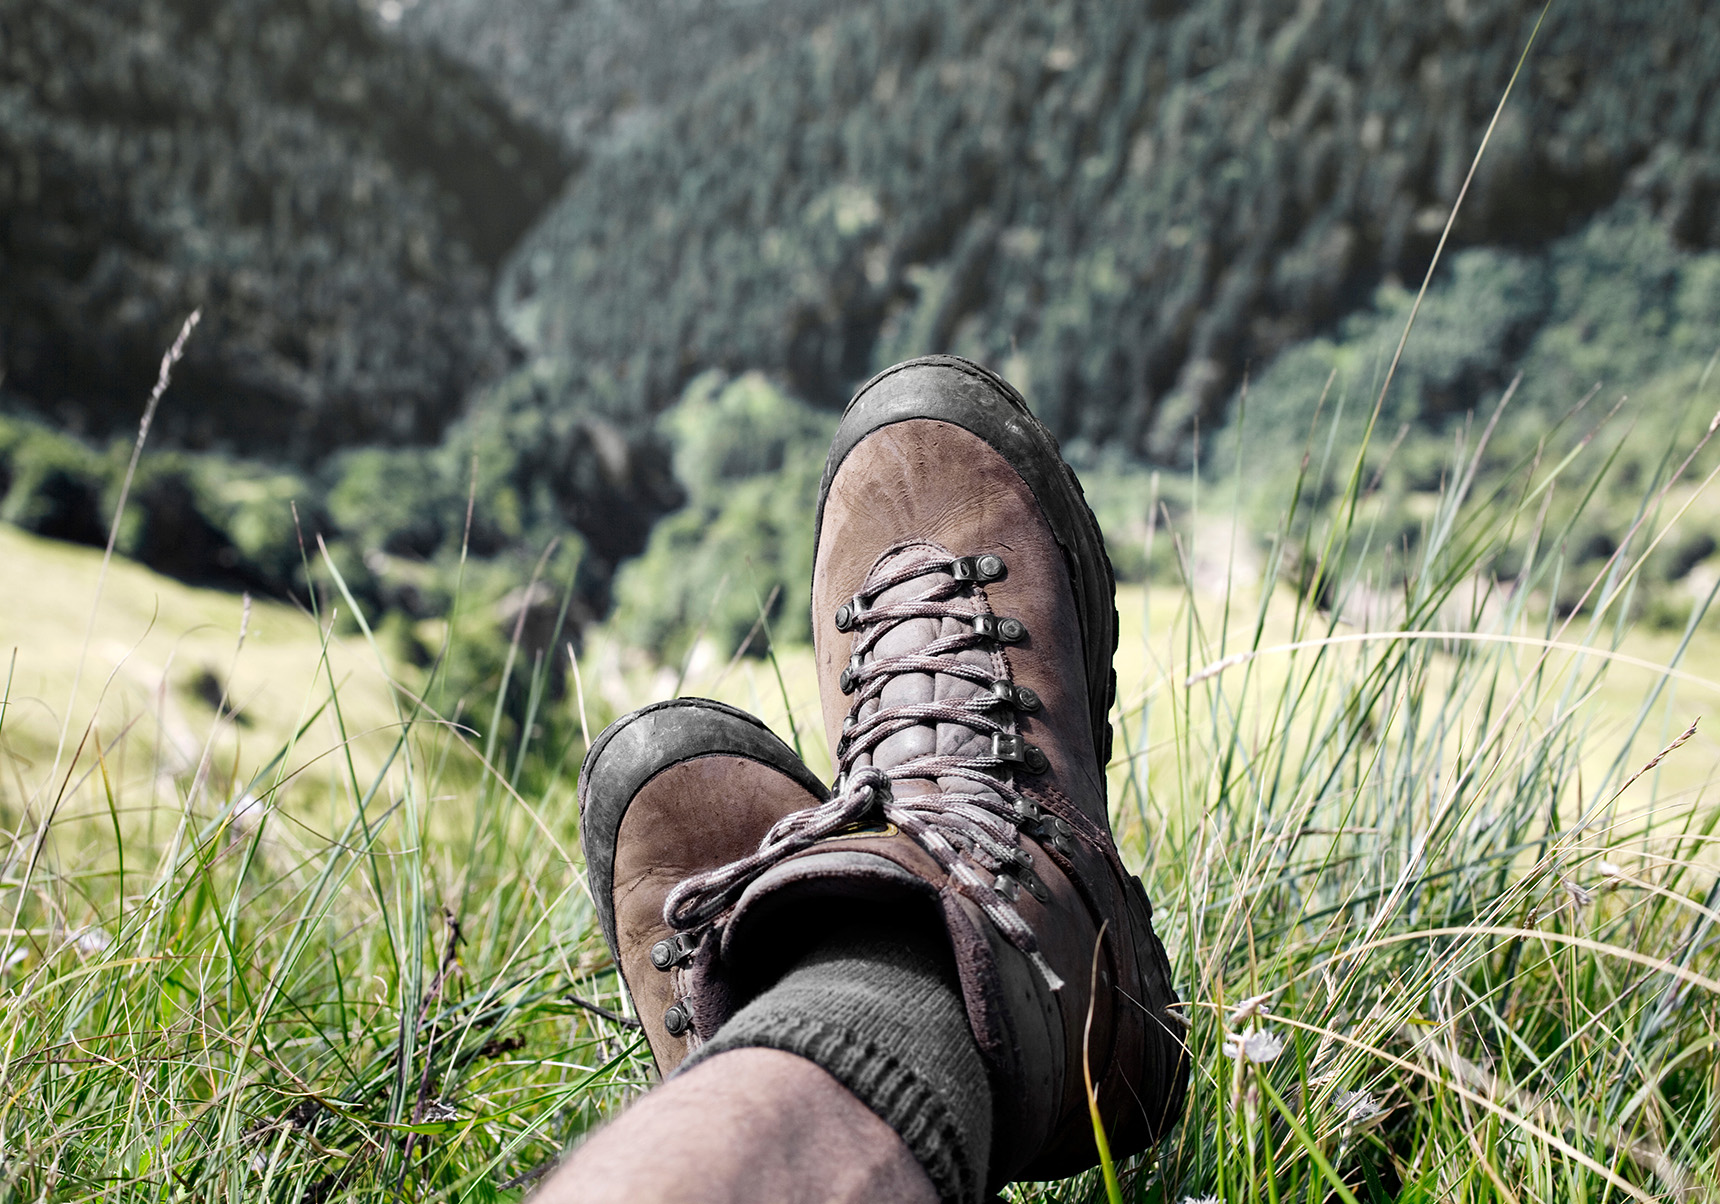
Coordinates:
1415	749
1428	833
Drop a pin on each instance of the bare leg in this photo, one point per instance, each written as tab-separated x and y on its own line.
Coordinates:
752	1125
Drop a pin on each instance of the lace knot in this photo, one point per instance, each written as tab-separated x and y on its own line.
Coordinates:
972	833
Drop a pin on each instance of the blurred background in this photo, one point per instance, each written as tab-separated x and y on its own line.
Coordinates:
545	308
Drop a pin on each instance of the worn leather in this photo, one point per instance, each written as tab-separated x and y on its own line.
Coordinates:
936	456
945	457
951	389
665	793
642	744
881	497
946	739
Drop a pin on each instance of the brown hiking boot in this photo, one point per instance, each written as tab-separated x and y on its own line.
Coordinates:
964	621
676	789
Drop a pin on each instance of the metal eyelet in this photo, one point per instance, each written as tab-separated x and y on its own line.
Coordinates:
1006	631
851	675
849	614
1019	697
678	1019
1064	839
1007	888
1054	832
989	567
1008	746
672	951
1034	886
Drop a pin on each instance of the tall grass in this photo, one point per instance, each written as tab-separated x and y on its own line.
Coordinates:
343	968
1439	891
1442	933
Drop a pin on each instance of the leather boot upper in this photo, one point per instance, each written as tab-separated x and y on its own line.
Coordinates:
667	792
963	625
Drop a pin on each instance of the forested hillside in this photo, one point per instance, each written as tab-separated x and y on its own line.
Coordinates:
1126	204
525	328
602	73
433	236
335	201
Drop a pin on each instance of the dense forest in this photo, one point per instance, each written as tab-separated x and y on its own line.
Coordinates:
1131	202
444	247
600	74
335	202
526	325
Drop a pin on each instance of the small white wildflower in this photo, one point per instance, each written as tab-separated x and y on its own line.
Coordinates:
1199	1200
439	1111
16	956
1262	1046
1358	1107
92	941
1257	1046
1608	869
247	813
1248	1009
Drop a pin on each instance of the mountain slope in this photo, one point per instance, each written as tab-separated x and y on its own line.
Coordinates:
336	201
601	73
1125	205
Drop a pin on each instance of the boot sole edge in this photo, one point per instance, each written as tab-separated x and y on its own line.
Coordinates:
706	728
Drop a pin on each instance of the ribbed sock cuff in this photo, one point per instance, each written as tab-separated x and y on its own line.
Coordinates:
882	1013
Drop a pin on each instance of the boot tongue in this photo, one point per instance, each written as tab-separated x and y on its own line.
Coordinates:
942	739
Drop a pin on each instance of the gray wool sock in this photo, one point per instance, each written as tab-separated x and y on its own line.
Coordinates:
880	1009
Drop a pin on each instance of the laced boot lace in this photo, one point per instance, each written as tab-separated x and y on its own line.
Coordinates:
964	831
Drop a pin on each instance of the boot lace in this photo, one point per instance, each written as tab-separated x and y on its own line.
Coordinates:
964	832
